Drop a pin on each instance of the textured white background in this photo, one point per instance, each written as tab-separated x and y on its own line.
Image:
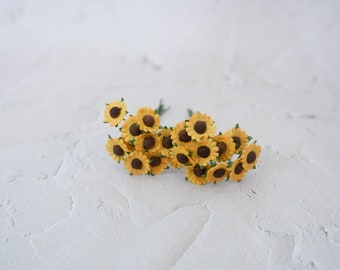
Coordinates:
272	66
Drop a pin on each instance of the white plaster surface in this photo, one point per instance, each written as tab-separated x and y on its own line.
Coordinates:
271	66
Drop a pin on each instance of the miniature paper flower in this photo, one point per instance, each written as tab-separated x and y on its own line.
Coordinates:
250	155
180	136
196	174
217	173
239	137
200	126
204	152
137	163
114	112
157	163
165	141
237	171
147	142
147	119
130	130
226	147
180	156
116	148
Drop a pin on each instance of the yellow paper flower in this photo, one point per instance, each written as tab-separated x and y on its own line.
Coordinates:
196	174
117	148
157	163
200	126
180	136
180	157
137	163
147	119
237	171
165	141
114	112
226	147
218	173
250	156
239	137
204	152
147	142
130	130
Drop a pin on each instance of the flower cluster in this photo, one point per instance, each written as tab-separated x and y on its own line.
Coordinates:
146	147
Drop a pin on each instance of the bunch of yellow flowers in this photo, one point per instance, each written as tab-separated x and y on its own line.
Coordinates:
146	147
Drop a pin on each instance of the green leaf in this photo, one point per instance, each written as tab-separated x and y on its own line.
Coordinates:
109	137
190	112
237	126
250	138
186	179
254	168
121	99
161	108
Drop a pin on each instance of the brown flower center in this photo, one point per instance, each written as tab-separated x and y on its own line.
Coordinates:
238	168
222	147
183	136
199	171
203	151
136	164
155	161
149	120
149	142
181	158
219	173
237	142
118	151
167	142
200	127
251	157
115	112
134	130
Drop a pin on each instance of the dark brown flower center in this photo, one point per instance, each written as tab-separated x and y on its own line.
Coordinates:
118	151
238	168
200	127
149	142
251	157
136	164
167	142
155	161
183	136
237	142
149	120
181	158
115	112
222	147
199	171
134	130
219	173
203	151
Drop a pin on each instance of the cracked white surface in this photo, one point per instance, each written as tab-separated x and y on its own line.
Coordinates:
270	66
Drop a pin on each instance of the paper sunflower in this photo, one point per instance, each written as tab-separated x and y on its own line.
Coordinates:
204	152
117	148
226	147
250	155
157	163
137	163
130	130
237	171
180	136
114	112
165	141
196	174
147	142
147	119
217	173
200	126
180	156
239	137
